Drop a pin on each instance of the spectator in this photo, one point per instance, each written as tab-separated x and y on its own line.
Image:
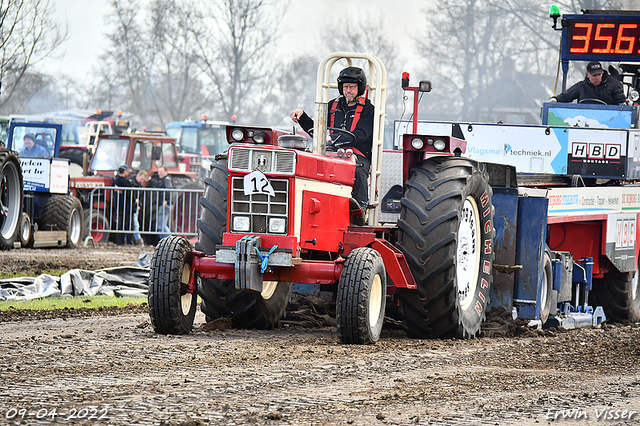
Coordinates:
139	181
163	204
123	206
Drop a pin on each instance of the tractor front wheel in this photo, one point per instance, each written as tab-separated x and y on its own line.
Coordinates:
361	297
172	305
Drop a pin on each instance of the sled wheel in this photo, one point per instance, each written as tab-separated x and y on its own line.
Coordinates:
619	297
11	196
220	297
446	233
546	288
64	212
361	297
172	307
25	231
96	226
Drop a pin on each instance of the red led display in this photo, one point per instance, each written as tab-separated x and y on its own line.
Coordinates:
602	39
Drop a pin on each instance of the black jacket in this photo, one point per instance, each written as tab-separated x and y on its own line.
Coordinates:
343	117
609	91
124	200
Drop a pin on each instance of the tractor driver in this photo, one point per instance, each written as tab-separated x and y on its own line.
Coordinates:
597	85
31	149
353	112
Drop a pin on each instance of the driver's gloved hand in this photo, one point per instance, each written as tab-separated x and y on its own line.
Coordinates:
553	99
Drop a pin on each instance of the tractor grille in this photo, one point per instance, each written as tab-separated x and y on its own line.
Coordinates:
267	161
259	208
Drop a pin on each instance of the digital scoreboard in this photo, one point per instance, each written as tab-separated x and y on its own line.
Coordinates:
609	38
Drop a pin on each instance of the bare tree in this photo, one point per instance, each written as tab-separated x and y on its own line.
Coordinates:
367	34
28	34
151	68
298	85
237	56
127	63
483	46
177	87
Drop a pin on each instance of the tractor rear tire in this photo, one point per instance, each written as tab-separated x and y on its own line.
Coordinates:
11	198
64	212
249	310
172	307
619	297
361	297
220	297
213	219
446	233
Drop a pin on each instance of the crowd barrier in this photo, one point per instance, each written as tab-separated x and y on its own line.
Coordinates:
142	211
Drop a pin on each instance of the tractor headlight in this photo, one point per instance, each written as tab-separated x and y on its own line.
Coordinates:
277	225
417	143
439	144
237	135
259	137
241	223
634	95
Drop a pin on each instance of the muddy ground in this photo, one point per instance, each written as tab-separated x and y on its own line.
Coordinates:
109	367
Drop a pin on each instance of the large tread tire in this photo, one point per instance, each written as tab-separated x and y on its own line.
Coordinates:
100	234
619	296
361	297
11	198
64	213
172	307
446	233
220	297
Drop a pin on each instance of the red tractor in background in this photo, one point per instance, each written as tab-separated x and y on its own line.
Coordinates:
139	151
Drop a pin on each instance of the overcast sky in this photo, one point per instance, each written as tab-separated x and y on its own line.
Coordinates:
300	27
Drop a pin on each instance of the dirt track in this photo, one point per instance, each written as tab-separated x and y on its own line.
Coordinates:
115	366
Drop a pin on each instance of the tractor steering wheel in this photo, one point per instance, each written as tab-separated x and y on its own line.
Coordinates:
592	101
335	139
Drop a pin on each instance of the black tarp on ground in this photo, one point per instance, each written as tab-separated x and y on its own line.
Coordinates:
120	281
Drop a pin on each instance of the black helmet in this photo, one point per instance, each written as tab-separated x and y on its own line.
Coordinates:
352	75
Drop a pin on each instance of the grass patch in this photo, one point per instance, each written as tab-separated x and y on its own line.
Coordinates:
53	303
53	272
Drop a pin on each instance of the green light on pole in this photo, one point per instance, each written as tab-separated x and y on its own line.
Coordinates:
554	13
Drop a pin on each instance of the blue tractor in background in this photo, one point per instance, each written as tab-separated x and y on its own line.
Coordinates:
198	142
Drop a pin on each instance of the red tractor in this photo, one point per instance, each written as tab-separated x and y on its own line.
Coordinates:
276	214
139	151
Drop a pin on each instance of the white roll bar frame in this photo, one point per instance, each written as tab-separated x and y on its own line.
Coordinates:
377	79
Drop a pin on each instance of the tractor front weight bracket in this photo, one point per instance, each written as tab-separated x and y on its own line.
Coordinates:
248	273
